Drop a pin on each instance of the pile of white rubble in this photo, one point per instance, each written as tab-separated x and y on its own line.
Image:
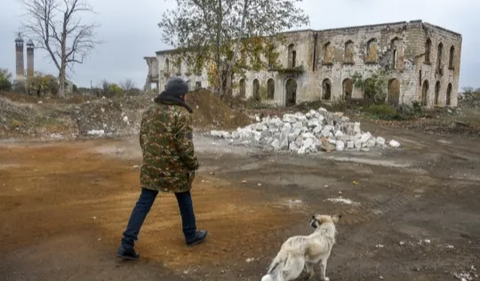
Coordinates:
306	133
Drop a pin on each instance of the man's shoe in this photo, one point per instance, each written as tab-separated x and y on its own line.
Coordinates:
127	254
200	236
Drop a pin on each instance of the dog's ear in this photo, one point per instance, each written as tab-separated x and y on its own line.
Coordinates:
336	218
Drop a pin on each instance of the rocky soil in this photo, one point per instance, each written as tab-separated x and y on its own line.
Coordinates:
77	118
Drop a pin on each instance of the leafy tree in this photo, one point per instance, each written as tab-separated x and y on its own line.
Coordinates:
43	85
374	87
56	26
114	89
5	80
228	36
109	89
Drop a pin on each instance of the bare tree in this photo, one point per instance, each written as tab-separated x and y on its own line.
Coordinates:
56	26
127	85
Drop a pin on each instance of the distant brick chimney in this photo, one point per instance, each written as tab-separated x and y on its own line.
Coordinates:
30	59
20	69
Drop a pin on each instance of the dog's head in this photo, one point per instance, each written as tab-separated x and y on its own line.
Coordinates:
318	220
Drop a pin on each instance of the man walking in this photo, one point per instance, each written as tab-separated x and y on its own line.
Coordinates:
169	164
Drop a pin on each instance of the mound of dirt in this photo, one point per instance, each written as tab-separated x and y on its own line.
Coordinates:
209	112
25	116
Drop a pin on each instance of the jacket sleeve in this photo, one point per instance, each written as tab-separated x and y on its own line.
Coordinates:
184	140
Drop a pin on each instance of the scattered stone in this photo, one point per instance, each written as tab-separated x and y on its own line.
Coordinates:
394	143
342	200
340	145
96	133
380	141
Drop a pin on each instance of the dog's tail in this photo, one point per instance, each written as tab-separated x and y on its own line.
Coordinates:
267	277
275	271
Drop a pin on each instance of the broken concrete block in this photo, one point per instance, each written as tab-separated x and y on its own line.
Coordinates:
358	144
370	143
308	142
340	146
298	125
275	144
308	135
317	130
299	141
296	132
394	143
380	141
293	147
301	118
292	137
350	145
365	137
289	118
302	150
356	128
313	123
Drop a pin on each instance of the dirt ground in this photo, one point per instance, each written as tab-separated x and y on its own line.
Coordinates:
413	213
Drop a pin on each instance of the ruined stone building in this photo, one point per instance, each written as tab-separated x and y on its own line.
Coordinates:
421	62
19	58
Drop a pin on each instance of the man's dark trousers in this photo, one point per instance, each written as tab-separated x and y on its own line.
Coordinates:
143	206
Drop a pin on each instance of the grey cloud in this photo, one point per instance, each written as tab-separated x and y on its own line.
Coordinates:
129	32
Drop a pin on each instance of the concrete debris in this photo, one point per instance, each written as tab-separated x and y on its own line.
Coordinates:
342	200
316	130
463	276
394	143
96	133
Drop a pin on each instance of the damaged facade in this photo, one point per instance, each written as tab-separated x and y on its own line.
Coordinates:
421	63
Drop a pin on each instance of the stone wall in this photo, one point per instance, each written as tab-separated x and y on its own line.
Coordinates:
332	57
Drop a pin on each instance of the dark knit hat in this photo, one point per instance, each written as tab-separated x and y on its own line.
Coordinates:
176	86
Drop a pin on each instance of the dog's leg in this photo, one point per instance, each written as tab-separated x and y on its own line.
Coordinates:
323	270
310	271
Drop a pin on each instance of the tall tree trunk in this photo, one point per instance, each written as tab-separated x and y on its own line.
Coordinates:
232	62
218	58
61	82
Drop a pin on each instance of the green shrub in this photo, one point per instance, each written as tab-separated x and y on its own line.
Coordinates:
5	80
382	111
20	87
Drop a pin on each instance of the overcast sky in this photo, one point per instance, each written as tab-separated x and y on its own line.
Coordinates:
129	32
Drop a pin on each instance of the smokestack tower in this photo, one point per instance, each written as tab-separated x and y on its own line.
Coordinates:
30	59
19	57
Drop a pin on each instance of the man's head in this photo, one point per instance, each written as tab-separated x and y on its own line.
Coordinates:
174	93
176	86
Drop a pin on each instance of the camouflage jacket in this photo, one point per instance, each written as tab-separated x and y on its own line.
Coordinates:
169	160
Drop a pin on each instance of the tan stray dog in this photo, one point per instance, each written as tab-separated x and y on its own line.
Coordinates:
300	252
